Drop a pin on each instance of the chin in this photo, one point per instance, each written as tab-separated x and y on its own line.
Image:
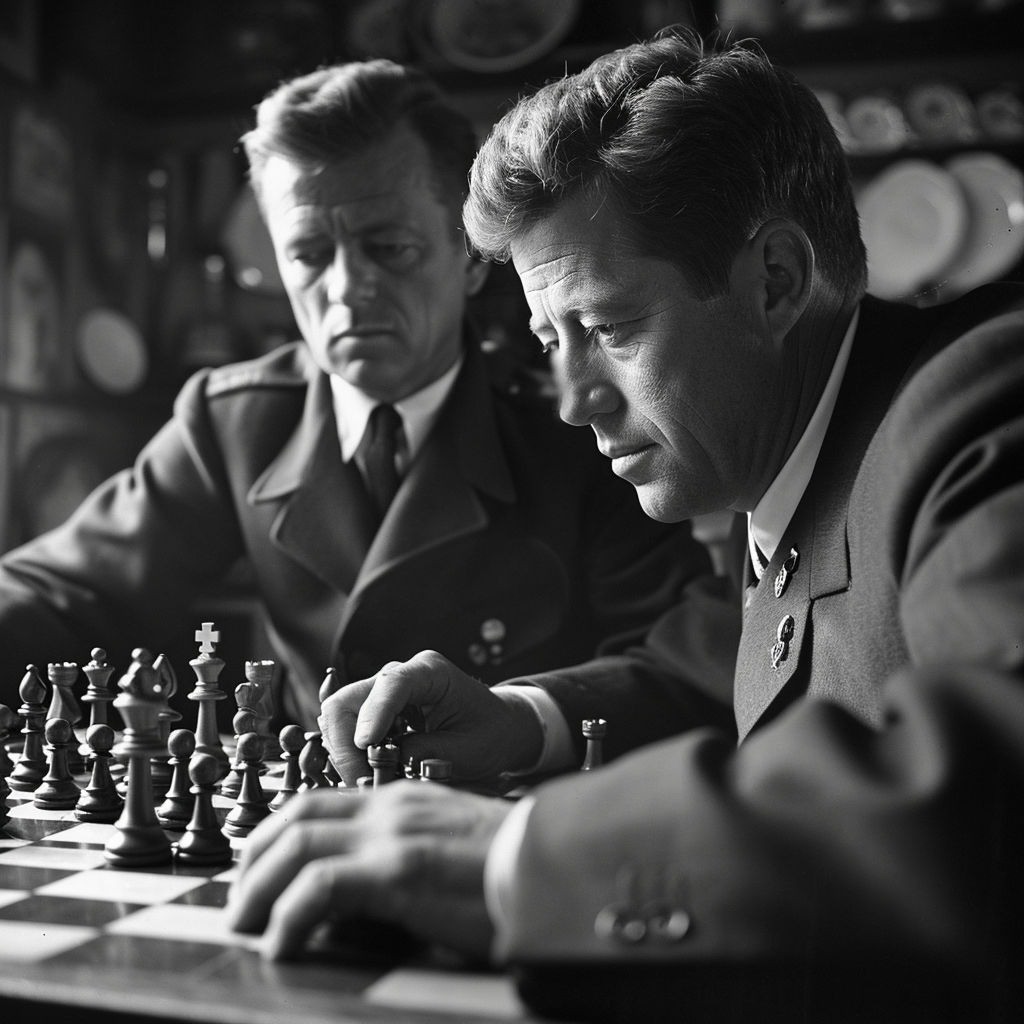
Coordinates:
661	506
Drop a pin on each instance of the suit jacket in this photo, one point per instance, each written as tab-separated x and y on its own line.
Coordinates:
509	547
871	819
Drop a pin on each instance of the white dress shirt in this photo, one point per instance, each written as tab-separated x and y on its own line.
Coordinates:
419	412
765	527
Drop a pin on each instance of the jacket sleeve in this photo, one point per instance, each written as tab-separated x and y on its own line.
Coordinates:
821	842
124	568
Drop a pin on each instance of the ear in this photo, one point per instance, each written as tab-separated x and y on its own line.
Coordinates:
775	270
476	275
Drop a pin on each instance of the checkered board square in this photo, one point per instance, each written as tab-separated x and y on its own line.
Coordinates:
151	941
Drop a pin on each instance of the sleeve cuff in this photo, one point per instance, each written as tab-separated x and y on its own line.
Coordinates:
499	868
557	753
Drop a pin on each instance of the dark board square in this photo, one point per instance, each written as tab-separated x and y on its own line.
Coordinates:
66	910
135	953
16	876
213	894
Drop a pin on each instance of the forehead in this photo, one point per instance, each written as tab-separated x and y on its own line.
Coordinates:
391	180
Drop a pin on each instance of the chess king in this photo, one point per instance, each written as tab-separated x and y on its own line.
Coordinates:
685	229
392	487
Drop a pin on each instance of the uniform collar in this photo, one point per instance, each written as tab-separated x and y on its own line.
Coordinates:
768	522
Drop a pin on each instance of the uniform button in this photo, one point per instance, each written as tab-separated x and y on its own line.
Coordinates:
786	628
492	631
478	654
666	924
619	922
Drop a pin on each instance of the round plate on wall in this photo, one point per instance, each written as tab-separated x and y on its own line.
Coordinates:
111	351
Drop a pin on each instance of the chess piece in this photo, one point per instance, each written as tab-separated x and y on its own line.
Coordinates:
100	801
206	692
64	704
8	722
231	785
312	761
383	759
256	695
292	740
58	791
176	810
161	769
251	807
31	766
331	684
139	839
436	769
594	730
97	694
203	841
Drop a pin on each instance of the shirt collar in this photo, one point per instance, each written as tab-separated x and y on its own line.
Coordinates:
768	522
419	411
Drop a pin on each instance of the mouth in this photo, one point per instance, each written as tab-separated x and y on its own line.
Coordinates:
626	458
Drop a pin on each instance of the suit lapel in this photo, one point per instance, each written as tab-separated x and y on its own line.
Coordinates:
439	499
325	520
888	338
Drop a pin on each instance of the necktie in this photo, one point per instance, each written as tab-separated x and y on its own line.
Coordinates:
377	449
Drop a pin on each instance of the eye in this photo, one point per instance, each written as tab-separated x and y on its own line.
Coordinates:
311	255
394	255
601	333
548	346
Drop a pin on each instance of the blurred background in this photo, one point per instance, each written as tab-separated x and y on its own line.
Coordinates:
131	251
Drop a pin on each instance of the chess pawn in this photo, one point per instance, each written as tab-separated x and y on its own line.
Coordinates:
251	807
594	730
99	801
292	740
63	704
206	693
436	769
231	786
8	722
139	840
176	811
161	769
203	841
58	791
312	761
31	766
383	759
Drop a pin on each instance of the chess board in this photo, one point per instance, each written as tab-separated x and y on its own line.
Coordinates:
80	941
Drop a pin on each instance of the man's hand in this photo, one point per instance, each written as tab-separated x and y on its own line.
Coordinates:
466	723
409	853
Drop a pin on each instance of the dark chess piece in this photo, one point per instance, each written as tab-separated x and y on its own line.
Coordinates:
160	767
31	766
594	730
100	800
64	704
292	740
231	786
383	759
139	839
176	810
97	695
203	841
256	695
251	807
8	723
207	692
58	791
312	761
436	769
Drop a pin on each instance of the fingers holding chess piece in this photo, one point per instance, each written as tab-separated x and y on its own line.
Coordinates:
383	759
203	841
176	810
58	791
100	801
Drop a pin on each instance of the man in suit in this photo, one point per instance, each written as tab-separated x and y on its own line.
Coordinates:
389	490
685	230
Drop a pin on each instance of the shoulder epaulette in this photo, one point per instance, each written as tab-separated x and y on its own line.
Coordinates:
282	368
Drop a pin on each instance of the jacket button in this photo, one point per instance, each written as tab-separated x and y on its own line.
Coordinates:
478	654
666	924
492	631
619	923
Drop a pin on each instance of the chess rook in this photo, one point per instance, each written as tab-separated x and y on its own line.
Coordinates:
203	841
100	801
594	730
139	840
58	791
256	695
207	692
64	704
31	766
176	810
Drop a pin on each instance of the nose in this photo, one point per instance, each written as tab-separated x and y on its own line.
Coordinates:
351	277
584	393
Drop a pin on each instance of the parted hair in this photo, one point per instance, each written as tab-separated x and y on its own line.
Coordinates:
698	148
337	112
